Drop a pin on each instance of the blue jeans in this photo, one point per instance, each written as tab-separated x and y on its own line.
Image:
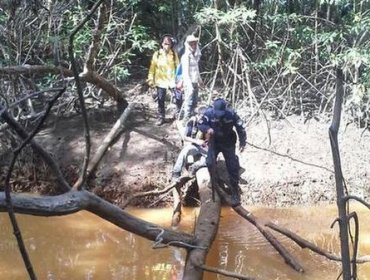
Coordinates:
178	99
191	101
182	159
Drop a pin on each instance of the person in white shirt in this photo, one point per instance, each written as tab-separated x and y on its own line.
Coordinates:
191	76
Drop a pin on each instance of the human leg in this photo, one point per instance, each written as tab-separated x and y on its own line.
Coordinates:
194	100
232	165
187	104
178	94
161	92
191	101
182	158
197	165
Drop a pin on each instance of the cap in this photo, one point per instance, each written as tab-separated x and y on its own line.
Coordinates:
219	107
192	38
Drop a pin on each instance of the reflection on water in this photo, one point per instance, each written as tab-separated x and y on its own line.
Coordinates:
83	246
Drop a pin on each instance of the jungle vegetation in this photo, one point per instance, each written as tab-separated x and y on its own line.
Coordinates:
285	56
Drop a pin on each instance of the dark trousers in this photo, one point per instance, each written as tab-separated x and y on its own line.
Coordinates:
231	160
177	96
161	95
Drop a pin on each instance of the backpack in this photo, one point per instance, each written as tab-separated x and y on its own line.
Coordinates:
178	77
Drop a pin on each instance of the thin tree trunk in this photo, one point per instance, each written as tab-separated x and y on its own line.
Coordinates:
341	202
116	129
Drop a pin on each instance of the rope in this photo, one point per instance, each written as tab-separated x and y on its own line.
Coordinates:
159	239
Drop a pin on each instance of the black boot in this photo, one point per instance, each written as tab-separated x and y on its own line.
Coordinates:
235	196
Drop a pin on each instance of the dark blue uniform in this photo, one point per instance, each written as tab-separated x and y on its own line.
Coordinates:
225	139
191	128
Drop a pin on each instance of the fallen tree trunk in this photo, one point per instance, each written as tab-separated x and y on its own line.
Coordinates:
90	77
311	246
72	202
288	258
205	229
116	129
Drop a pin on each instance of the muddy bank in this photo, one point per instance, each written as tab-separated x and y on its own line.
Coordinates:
286	162
290	162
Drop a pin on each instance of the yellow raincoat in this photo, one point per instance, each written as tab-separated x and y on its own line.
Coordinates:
162	69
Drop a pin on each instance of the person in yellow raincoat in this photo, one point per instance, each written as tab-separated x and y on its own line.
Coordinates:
162	74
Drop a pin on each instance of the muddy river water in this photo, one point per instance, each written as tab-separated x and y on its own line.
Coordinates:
83	246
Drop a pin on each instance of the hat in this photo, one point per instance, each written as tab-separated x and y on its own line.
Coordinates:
219	107
192	38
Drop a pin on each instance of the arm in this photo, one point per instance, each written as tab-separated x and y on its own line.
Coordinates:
152	68
188	133
177	61
242	134
195	141
185	62
204	123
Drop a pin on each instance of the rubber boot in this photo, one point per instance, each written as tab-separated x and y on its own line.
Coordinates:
235	196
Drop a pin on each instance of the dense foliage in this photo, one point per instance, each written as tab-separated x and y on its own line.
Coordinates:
277	55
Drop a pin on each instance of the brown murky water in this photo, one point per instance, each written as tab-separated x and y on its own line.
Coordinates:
83	246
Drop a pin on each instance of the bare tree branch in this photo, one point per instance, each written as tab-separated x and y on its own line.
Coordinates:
307	244
9	204
73	202
62	183
41	70
182	182
96	40
354	216
109	138
225	272
348	197
290	157
82	178
267	234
